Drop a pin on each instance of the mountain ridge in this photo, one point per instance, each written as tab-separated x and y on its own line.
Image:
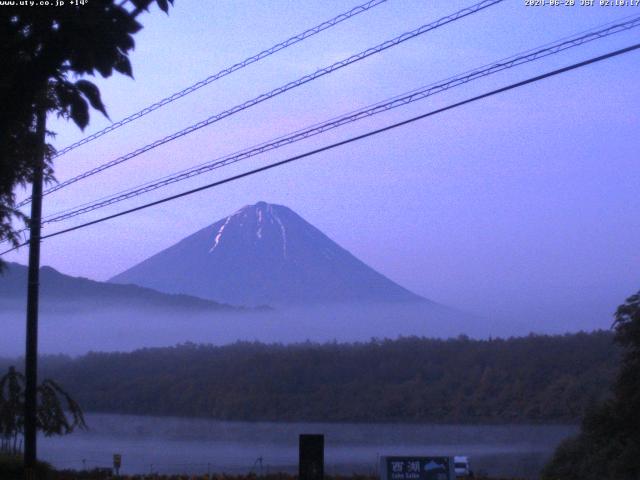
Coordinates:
264	254
59	287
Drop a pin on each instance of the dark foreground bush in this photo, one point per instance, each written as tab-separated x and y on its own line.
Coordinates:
608	445
11	469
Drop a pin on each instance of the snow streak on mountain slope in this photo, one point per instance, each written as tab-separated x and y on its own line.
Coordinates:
264	254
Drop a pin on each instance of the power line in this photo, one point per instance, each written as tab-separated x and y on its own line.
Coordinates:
395	102
224	72
584	36
273	93
606	29
341	143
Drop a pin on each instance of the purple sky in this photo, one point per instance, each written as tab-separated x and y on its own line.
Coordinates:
524	205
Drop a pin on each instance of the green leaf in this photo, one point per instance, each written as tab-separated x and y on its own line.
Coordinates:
92	93
79	111
123	65
141	4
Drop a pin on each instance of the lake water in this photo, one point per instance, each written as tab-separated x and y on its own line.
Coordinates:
189	445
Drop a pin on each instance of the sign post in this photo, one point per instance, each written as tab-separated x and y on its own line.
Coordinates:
117	462
417	468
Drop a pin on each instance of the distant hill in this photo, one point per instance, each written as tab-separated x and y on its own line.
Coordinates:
60	289
536	379
264	254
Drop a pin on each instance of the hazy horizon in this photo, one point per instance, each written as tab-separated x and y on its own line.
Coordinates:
77	328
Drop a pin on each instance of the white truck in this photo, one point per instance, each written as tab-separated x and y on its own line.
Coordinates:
461	466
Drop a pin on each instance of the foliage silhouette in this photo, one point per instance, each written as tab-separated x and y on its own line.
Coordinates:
608	446
43	51
57	413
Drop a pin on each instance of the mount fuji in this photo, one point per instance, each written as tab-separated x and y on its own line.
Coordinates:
264	254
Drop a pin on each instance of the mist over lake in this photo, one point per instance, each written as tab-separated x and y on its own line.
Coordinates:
189	445
76	329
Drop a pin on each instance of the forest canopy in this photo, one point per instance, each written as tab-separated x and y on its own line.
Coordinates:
532	379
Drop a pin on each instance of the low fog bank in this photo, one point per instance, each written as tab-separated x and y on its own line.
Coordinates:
74	329
183	445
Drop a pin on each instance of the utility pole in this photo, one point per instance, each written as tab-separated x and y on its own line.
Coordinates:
31	357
